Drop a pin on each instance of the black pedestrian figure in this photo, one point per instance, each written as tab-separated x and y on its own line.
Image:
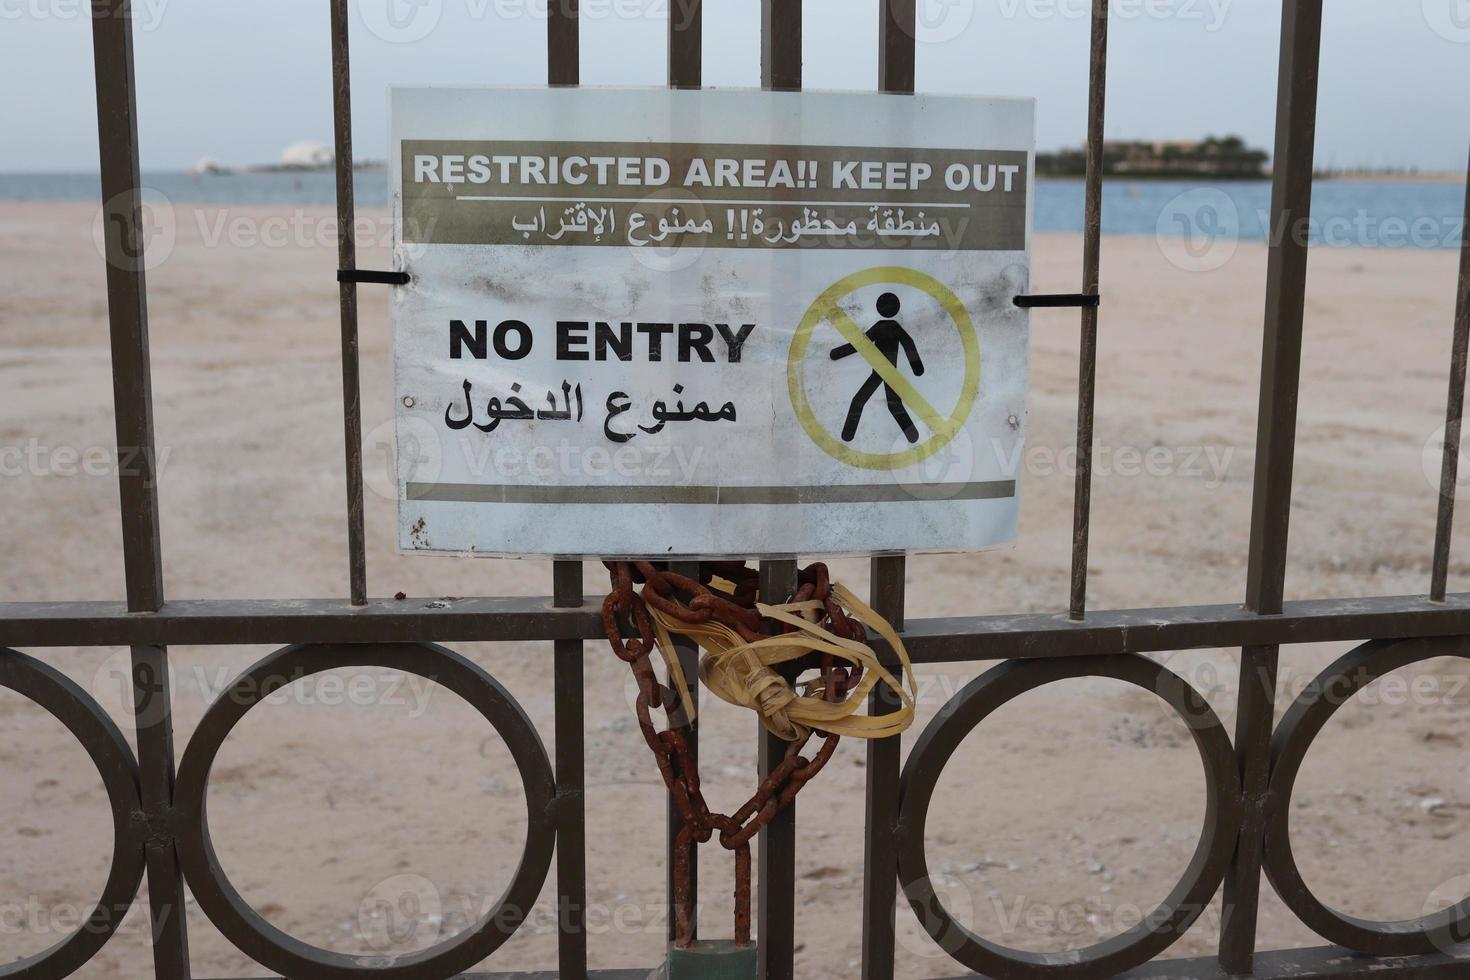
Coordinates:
887	335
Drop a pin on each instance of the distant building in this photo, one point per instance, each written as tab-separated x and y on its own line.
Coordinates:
307	155
207	166
1225	157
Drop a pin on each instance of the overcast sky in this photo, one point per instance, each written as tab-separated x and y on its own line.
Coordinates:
238	81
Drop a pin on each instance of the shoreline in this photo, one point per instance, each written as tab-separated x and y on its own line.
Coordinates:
1448	177
321	218
1429	177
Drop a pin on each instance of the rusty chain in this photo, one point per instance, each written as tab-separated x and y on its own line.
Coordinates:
694	602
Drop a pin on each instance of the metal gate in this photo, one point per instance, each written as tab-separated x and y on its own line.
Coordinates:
159	822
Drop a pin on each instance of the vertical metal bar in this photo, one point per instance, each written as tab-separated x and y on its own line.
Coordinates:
563	67
686	48
564	60
571	826
776	846
153	713
897	26
127	307
1254	721
880	857
1286	281
781	45
1454	412
688	654
125	226
1091	257
347	298
897	23
686	71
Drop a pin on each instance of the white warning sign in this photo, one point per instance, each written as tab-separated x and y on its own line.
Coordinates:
717	323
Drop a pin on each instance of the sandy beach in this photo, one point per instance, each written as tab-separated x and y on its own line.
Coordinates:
1063	819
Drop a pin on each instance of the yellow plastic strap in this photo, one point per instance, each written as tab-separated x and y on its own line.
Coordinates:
741	673
672	664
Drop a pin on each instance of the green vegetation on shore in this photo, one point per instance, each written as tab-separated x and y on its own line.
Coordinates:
1219	158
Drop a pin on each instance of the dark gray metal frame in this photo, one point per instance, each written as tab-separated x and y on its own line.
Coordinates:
160	827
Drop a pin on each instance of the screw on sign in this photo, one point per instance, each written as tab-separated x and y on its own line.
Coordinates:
755	656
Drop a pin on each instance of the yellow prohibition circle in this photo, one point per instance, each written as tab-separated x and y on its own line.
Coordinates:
826	308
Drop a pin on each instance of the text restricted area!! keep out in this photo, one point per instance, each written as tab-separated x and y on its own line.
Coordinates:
718	323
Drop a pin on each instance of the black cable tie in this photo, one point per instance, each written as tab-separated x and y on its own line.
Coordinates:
1053	300
370	276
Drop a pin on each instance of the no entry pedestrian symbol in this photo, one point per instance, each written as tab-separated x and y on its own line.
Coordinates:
894	354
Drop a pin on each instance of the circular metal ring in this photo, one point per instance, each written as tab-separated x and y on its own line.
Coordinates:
110	753
1161	927
1299	727
270	946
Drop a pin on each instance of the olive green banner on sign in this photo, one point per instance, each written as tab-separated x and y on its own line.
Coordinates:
668	195
542	493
